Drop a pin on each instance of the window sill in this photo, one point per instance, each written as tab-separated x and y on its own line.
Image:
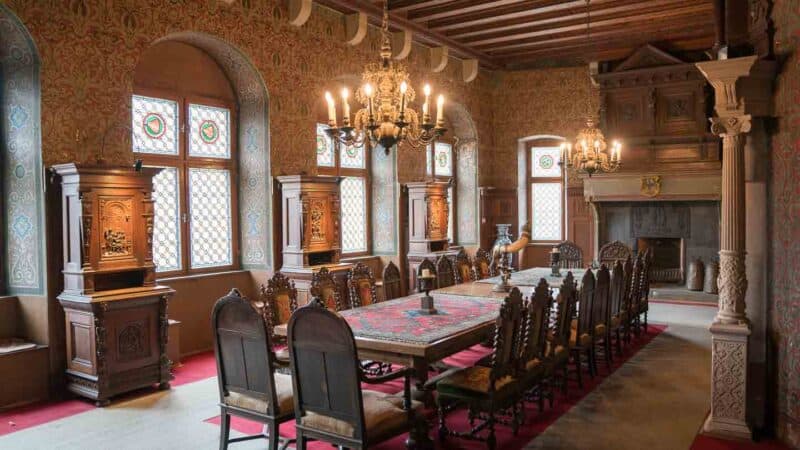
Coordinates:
197	276
361	258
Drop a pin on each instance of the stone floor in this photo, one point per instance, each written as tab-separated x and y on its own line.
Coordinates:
657	400
679	293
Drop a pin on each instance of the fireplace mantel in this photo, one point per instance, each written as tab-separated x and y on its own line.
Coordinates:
624	187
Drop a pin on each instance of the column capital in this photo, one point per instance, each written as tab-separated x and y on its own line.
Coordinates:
741	85
730	126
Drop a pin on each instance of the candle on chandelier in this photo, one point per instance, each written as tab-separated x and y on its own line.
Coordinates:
403	89
425	114
368	93
440	111
585	148
331	110
562	152
346	107
569	152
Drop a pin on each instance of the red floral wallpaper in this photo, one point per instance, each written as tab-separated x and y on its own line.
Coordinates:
785	221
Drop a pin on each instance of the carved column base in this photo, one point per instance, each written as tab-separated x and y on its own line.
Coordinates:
728	381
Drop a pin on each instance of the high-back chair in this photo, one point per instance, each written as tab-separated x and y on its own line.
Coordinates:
463	268
249	386
616	310
277	301
392	282
571	256
533	343
625	307
644	292
362	286
636	293
612	252
601	307
560	330
325	287
487	390
330	404
444	272
481	268
581	337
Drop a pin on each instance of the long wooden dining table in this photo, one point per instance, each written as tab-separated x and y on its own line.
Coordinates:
396	331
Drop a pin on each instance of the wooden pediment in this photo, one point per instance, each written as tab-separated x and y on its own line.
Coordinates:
646	57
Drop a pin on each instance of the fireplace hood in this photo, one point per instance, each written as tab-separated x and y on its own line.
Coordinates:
649	187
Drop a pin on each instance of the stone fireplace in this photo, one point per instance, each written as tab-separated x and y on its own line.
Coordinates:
668	257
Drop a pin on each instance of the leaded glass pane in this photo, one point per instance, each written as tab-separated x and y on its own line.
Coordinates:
352	157
154	125
544	162
354	215
546	207
209	133
210	211
324	147
443	157
428	167
166	223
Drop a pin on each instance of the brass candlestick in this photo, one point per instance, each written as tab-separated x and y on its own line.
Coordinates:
555	258
503	284
426	283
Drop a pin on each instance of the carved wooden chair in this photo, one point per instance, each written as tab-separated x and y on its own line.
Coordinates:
325	287
644	287
249	386
601	314
533	345
580	340
426	264
612	252
635	295
486	390
557	353
330	404
463	273
362	286
616	312
625	307
481	268
392	282
445	274
277	302
571	255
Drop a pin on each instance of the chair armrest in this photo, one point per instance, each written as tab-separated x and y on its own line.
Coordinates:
380	379
432	381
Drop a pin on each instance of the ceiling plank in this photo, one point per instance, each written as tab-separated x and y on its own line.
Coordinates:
410	5
527	8
458	8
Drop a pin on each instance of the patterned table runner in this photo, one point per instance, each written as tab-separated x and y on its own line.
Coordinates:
399	320
530	277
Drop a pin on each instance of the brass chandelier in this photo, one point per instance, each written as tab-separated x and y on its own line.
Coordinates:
590	153
386	118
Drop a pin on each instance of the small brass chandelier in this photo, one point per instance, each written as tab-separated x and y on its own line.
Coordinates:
590	153
385	119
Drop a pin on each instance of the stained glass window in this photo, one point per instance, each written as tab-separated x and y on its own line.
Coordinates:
352	157
166	223
210	211
544	162
209	131
443	159
354	215
325	148
154	125
428	166
546	211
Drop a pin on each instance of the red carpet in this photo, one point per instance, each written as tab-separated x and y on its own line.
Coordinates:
535	422
709	443
194	368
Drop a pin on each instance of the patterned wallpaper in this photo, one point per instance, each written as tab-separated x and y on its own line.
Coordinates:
785	220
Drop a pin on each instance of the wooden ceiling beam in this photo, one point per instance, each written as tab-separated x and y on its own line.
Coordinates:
572	16
410	5
526	8
458	8
653	28
421	31
606	22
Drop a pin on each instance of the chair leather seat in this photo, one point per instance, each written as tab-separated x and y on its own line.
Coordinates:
585	339
383	415
283	392
473	380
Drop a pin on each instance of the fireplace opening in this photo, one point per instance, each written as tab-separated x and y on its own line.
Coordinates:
668	258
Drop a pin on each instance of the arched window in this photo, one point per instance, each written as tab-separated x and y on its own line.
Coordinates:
545	190
441	167
352	164
183	119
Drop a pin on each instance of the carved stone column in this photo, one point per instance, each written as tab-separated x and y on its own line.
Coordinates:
742	90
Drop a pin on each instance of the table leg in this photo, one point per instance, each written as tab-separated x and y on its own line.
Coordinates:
418	391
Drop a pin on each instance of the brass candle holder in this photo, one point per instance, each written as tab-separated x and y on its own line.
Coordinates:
555	259
426	285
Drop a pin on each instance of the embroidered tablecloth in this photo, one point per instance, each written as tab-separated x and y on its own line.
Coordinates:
530	277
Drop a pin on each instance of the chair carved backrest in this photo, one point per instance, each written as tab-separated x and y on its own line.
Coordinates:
636	283
536	316
564	310
325	287
506	337
277	301
444	272
325	368
428	265
362	286
585	300
392	282
463	268
627	269
242	347
571	256
612	252
601	303
645	283
481	268
617	290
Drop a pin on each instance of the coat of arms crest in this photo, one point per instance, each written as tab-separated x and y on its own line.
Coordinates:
651	186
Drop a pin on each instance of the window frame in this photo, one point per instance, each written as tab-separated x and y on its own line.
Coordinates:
366	173
452	179
529	146
183	162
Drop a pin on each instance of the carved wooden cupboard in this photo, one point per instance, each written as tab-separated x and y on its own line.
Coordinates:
427	225
116	316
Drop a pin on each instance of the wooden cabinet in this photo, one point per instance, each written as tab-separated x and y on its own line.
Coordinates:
427	225
116	317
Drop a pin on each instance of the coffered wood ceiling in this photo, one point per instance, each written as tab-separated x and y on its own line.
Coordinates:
516	34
